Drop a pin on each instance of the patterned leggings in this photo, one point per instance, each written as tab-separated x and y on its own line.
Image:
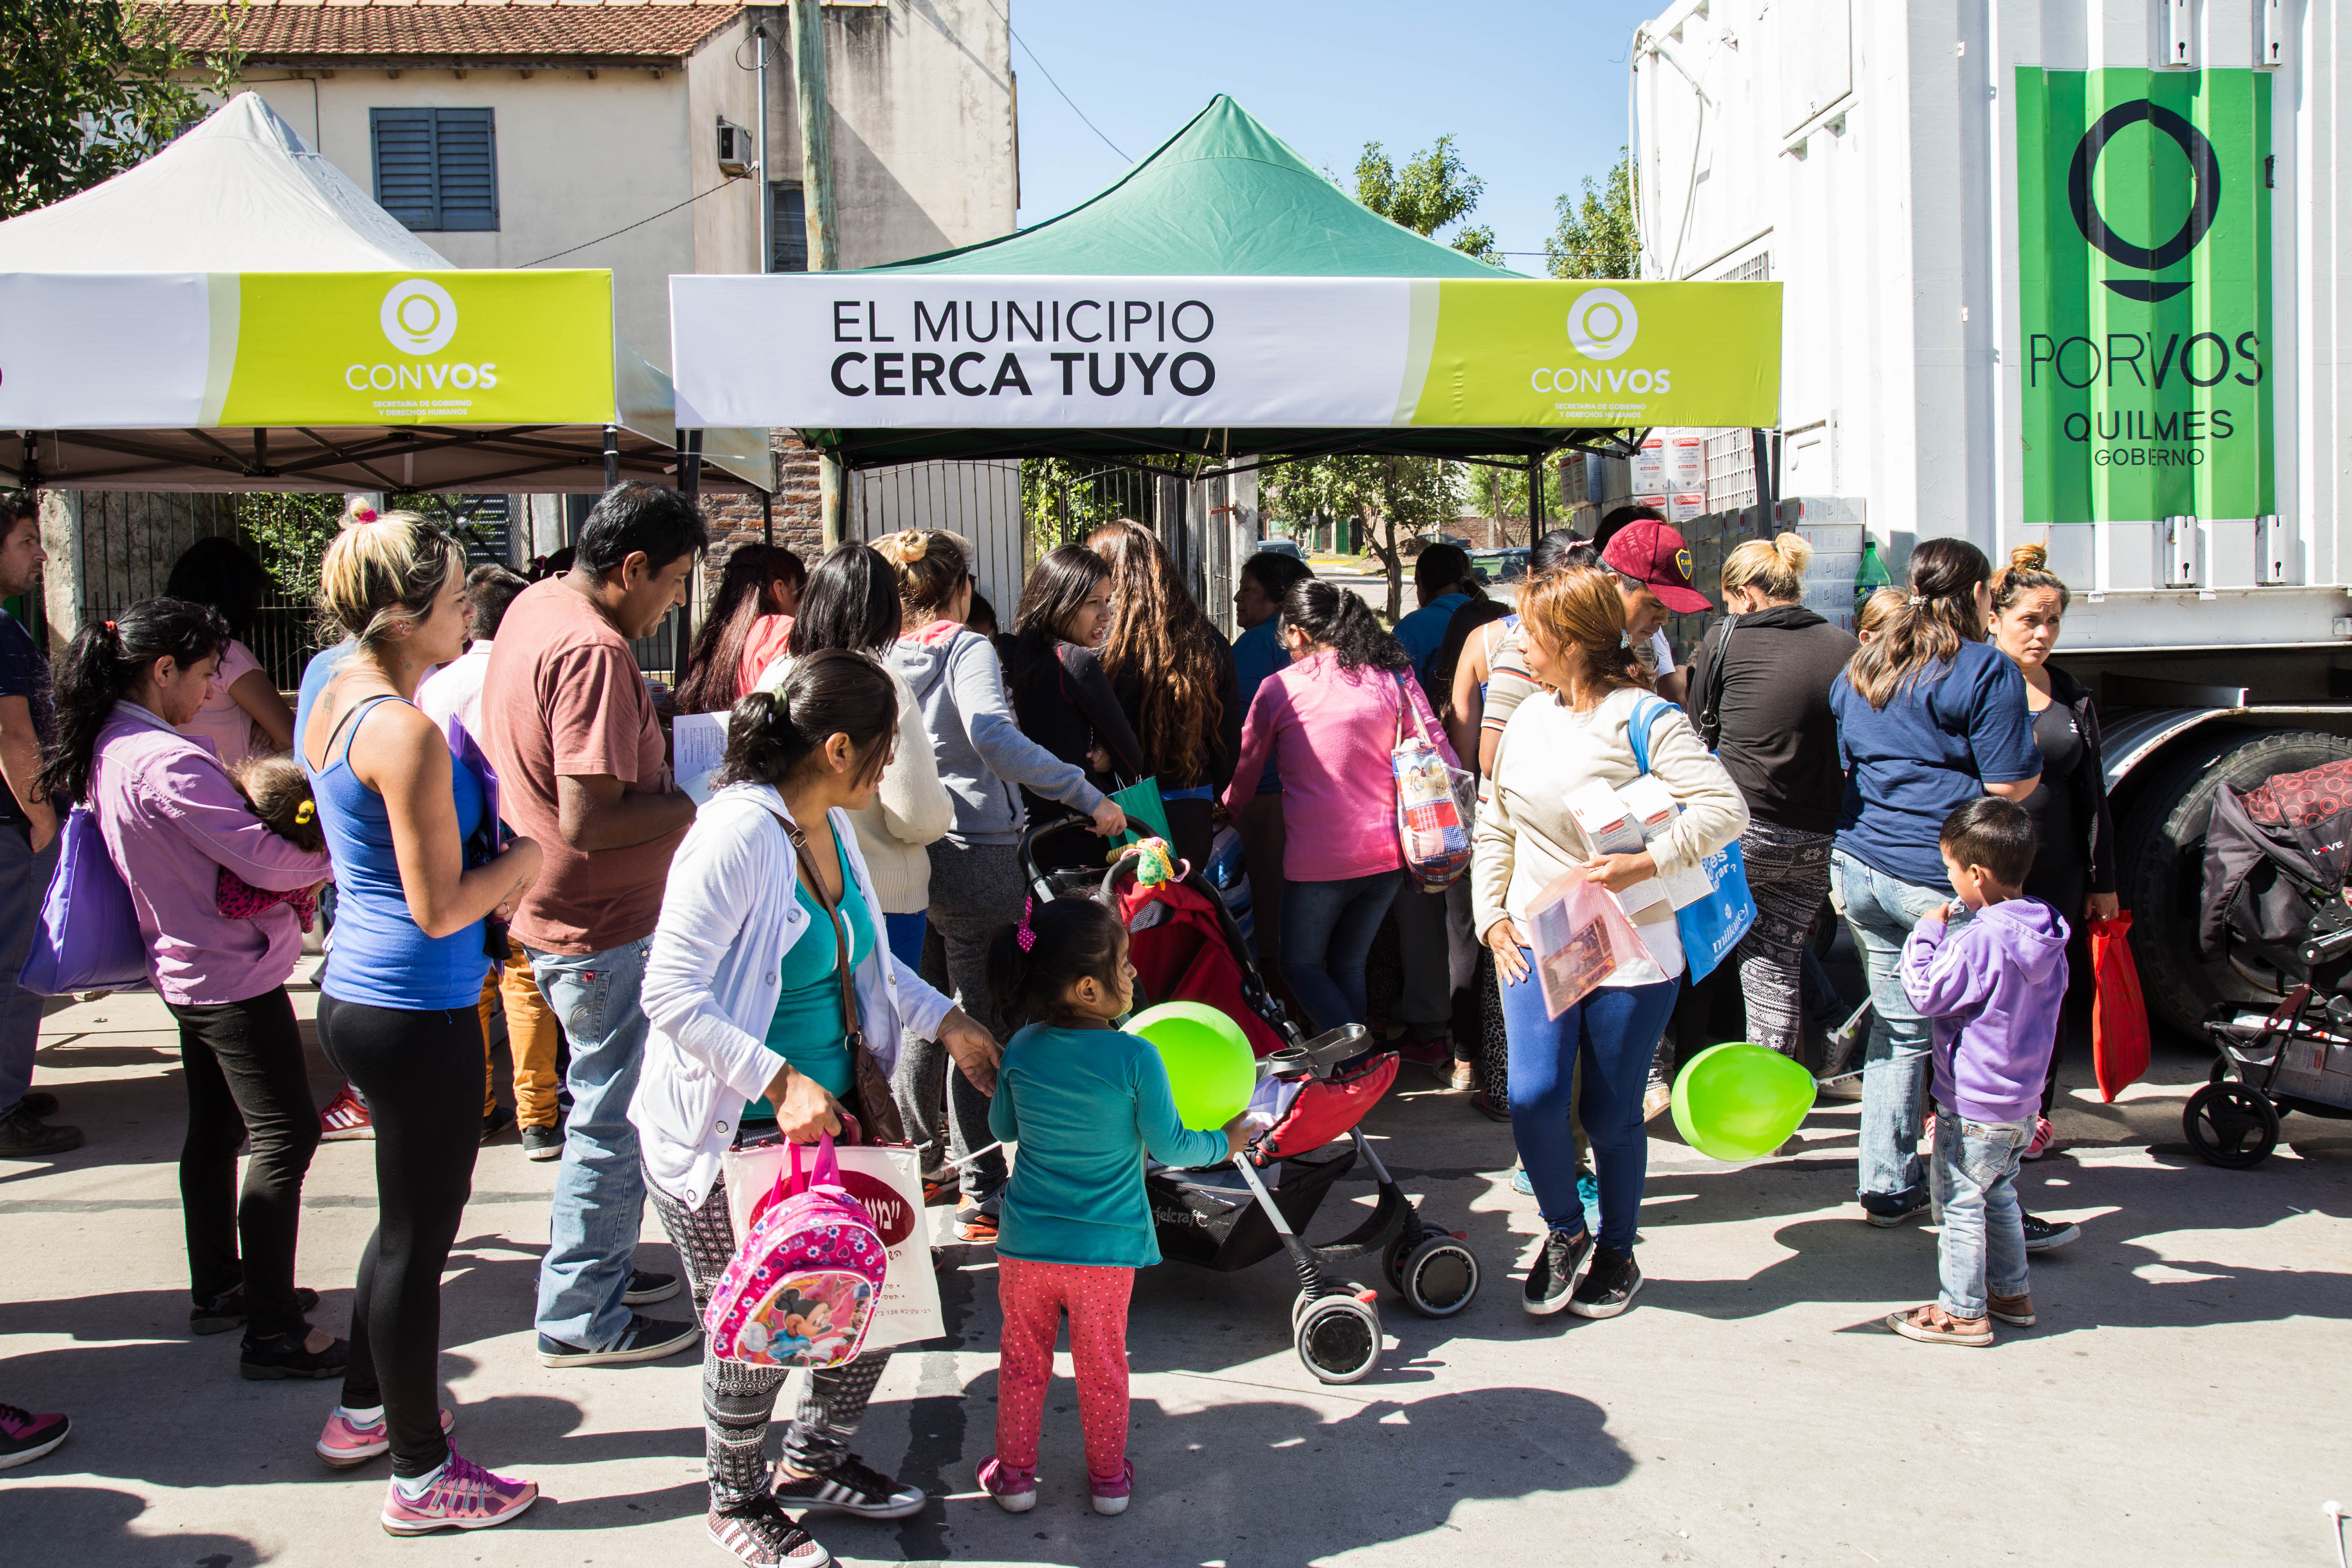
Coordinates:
1032	1296
739	1398
1789	873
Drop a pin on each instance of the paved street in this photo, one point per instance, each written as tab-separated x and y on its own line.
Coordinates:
2182	1402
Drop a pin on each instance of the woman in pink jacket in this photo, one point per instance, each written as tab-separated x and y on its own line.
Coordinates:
1328	721
173	824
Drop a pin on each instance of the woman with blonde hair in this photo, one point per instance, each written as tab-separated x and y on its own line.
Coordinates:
419	868
1174	679
2075	867
985	762
1759	695
1582	731
1930	716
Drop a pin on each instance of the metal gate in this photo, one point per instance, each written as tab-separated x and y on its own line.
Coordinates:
980	500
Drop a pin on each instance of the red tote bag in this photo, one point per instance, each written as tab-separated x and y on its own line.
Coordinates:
2119	1017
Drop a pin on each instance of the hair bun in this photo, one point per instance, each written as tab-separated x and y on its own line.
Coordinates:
2029	558
1794	549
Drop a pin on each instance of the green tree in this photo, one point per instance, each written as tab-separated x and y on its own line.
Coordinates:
1596	236
91	86
1394	498
1436	188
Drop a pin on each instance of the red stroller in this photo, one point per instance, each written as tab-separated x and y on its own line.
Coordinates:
1185	947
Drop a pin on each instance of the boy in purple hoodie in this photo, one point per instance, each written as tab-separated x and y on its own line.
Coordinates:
1994	985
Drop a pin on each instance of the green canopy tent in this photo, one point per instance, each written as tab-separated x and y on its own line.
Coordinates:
1222	197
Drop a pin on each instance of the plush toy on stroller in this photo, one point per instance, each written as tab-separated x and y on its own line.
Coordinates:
1186	948
2275	904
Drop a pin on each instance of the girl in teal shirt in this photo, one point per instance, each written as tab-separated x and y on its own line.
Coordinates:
1085	1102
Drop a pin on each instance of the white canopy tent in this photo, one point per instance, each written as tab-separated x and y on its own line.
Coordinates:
243	194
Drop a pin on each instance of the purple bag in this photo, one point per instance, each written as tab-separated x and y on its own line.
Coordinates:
88	937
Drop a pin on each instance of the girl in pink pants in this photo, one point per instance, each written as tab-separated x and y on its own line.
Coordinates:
1085	1102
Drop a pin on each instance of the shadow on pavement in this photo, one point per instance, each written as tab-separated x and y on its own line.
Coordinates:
75	1526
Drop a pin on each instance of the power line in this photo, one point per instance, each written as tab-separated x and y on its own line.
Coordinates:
639	223
1055	85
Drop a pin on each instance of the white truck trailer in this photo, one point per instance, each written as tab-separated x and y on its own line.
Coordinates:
2070	272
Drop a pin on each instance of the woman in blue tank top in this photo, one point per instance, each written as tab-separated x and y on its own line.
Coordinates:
417	870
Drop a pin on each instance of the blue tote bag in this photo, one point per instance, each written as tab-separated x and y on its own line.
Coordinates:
88	936
1711	926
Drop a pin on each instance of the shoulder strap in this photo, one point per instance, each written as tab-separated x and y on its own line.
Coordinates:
850	1028
350	717
1648	709
1710	695
1404	705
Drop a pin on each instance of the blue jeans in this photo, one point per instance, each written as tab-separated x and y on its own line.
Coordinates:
1612	1033
1327	931
906	937
599	1187
1982	1244
1881	909
24	883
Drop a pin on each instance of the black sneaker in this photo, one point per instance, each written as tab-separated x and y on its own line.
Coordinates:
25	1136
1608	1287
1554	1270
1892	1217
645	1339
543	1143
646	1287
227	1312
496	1122
286	1355
2041	1235
850	1487
760	1531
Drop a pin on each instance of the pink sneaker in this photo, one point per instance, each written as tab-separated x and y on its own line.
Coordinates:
1015	1492
463	1497
344	1445
2044	1135
1111	1494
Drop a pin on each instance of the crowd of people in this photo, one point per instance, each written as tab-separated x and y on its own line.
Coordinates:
474	794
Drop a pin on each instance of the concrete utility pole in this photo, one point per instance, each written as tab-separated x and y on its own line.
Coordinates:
817	204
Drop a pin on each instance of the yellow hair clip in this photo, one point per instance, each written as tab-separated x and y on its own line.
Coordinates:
306	813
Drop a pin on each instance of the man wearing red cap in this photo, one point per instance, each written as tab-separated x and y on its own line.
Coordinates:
1652	566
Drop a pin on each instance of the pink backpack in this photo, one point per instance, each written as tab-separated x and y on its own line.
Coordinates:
801	1291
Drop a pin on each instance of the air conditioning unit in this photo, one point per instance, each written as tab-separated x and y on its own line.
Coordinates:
736	154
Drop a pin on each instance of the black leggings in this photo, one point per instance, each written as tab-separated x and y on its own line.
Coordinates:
243	1065
422	1074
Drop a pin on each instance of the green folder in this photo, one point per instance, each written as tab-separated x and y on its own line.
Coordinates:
1142	804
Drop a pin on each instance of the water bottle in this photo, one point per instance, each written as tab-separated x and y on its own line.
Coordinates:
1871	576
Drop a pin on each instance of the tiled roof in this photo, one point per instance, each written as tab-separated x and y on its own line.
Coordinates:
430	32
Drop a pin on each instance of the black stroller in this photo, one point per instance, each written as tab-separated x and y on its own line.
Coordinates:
1185	947
2276	906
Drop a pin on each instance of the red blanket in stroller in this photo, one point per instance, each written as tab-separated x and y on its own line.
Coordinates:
1180	955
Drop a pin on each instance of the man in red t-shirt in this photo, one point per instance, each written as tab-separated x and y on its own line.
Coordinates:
570	727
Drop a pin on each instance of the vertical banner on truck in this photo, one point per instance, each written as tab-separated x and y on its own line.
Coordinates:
2144	274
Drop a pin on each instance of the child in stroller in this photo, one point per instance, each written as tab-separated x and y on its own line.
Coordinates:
1185	947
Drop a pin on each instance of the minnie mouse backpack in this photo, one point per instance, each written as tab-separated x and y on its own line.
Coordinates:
801	1291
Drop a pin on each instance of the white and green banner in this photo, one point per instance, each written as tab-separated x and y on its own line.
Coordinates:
207	351
2144	282
938	350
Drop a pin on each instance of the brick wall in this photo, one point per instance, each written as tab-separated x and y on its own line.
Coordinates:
734	518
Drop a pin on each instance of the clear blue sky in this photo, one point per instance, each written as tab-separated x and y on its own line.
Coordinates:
1533	90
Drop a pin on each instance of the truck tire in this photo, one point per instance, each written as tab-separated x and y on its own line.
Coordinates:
2163	862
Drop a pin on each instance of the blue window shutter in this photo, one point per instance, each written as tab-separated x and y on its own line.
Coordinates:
437	169
406	173
466	153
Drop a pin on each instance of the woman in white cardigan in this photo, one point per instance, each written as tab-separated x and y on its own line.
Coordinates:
743	993
1572	634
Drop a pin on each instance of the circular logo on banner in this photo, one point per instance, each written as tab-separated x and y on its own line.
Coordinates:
418	317
2205	171
894	1216
1602	324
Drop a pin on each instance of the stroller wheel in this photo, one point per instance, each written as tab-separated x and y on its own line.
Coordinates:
1338	1338
2230	1125
1440	1276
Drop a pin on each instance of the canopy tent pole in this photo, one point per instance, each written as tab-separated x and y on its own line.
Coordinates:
1535	501
1765	500
611	455
767	517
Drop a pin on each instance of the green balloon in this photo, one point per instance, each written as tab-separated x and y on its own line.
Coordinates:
1211	1067
1735	1102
